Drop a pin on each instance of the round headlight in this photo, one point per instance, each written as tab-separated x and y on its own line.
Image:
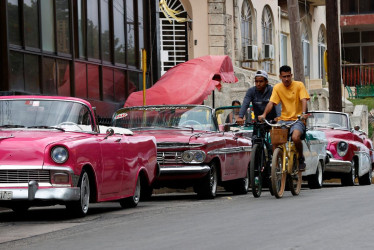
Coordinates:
59	154
187	156
342	148
199	156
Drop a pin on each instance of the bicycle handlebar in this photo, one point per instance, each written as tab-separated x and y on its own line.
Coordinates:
283	125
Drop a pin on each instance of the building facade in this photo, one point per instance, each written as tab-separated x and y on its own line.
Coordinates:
255	34
357	44
84	48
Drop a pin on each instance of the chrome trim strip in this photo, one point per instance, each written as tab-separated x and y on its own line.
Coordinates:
184	169
338	166
24	185
26	167
230	150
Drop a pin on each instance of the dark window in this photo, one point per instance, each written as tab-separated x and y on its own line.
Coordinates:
32	74
31	23
366	6
93	82
367	36
119	33
134	81
105	31
49	77
349	7
131	40
63	26
350	37
367	54
14	28
108	88
351	55
82	27
63	80
93	29
80	80
48	30
119	85
16	71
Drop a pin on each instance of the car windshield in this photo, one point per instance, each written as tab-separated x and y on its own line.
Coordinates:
45	114
331	120
165	117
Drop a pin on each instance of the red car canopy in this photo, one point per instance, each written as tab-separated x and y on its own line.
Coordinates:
187	83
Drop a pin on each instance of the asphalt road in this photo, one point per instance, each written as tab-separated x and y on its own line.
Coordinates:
330	218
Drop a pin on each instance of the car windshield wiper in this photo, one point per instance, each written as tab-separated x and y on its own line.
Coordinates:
47	127
11	126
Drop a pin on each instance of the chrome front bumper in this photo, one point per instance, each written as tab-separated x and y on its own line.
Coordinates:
338	166
33	192
201	169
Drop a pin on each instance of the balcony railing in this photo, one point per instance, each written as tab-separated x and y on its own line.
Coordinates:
360	78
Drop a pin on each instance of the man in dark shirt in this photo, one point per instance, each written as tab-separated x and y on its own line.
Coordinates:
259	96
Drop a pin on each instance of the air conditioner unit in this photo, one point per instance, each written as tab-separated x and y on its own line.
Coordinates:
251	52
269	51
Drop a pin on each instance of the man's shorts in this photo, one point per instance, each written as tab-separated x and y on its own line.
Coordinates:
299	125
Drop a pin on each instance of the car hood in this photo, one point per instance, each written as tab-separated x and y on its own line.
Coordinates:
340	134
180	138
26	147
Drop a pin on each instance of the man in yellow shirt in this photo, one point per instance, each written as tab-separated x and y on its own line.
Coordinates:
293	96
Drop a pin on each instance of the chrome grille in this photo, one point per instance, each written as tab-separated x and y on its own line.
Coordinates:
24	176
169	157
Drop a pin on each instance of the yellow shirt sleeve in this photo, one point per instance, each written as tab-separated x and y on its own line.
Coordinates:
275	95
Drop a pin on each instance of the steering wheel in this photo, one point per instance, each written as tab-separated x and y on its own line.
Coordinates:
335	125
69	123
190	122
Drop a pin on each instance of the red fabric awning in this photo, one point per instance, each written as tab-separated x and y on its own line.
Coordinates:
187	83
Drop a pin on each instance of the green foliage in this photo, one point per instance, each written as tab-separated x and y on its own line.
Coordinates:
369	101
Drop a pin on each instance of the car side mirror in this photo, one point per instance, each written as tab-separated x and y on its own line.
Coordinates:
109	132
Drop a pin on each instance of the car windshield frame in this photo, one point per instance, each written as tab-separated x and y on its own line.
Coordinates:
333	120
191	117
51	114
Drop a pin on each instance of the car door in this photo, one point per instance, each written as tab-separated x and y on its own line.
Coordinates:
112	161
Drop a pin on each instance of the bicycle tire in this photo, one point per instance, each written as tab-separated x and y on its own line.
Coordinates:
255	170
294	178
278	176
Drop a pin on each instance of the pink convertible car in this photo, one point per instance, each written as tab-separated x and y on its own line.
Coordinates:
53	152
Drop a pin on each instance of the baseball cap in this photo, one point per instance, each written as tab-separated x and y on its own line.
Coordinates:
262	73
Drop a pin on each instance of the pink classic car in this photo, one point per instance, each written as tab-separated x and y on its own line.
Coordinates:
350	153
53	152
191	150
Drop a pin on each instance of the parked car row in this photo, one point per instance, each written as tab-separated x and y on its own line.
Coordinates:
52	151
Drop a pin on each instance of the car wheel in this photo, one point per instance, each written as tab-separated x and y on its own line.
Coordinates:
132	201
241	185
366	178
207	188
315	181
146	190
349	179
79	208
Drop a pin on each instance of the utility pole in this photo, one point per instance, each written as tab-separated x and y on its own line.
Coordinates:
297	54
333	55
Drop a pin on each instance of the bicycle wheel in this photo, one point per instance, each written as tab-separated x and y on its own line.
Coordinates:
294	177
278	176
255	167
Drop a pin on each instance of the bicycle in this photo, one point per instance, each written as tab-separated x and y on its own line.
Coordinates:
261	155
285	163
